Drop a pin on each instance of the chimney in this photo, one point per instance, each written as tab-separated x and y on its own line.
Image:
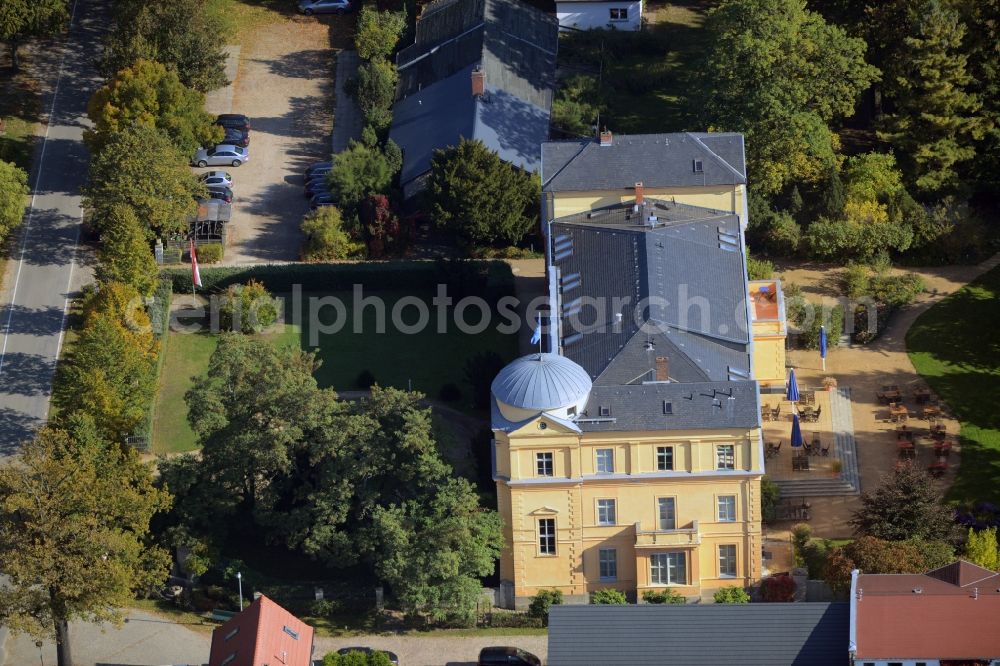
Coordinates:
478	82
605	137
662	368
638	193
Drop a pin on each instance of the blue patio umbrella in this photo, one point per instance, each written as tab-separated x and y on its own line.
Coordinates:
792	394
822	345
796	432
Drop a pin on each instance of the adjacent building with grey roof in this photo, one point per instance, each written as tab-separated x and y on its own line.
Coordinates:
478	69
800	634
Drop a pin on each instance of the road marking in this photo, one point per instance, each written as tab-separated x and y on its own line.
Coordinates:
31	209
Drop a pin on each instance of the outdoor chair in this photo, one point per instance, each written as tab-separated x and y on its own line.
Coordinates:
776	412
765	413
825	451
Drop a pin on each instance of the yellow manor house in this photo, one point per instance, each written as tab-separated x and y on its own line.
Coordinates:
628	455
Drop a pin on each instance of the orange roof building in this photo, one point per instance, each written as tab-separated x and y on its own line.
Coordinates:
947	617
264	634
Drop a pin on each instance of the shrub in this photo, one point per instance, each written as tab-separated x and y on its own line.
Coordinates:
608	597
375	89
770	493
731	595
759	269
362	170
248	308
832	318
326	239
211	253
778	589
365	380
855	280
665	596
801	534
378	32
541	602
450	393
324	607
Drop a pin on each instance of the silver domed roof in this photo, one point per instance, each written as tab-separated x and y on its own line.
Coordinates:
541	382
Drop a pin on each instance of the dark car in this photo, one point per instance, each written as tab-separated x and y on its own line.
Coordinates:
237	137
235	120
314	187
221	193
322	199
317	169
367	650
507	656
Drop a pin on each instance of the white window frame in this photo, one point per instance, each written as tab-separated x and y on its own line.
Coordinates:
660	503
725	456
664	454
540	463
727	558
607	564
725	517
663	568
609	457
606	506
547	540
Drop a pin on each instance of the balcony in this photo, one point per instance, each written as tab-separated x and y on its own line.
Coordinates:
682	536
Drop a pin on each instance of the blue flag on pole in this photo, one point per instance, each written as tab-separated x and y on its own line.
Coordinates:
822	341
536	337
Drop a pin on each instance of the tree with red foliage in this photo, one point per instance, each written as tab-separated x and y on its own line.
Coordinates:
383	231
872	556
780	589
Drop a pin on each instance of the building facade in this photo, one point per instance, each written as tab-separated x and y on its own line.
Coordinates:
587	15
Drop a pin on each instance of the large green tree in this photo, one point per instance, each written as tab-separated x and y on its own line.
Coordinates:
481	198
74	517
780	74
363	170
377	33
376	88
13	189
149	94
181	34
124	254
905	505
21	20
139	167
982	45
935	119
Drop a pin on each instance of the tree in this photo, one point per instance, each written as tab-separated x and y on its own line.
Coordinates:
111	372
982	45
161	191
779	73
21	20
731	595
871	556
124	255
74	517
433	552
540	604
375	91
904	506
778	589
181	34
13	190
326	239
608	596
383	231
377	33
361	171
481	198
149	94
936	118
248	308
981	548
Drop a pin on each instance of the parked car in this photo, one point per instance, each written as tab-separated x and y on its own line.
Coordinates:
315	187
237	137
310	7
507	656
367	650
322	199
236	120
224	153
221	193
216	179
317	169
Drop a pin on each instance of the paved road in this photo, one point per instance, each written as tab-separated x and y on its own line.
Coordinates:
40	274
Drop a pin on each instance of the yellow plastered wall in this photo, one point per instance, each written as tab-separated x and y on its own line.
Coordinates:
768	358
727	198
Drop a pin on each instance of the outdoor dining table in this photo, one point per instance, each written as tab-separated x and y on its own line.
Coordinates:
925	441
906	449
938	467
898	412
930	411
922	395
891	393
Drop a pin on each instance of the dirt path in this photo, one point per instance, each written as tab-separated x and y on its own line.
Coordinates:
865	369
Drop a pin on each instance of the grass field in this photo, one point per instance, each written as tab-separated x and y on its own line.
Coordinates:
956	348
423	361
242	18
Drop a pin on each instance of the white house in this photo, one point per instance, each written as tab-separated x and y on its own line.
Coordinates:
586	14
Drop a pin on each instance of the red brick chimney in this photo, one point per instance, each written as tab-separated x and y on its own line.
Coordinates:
638	193
662	369
605	137
478	82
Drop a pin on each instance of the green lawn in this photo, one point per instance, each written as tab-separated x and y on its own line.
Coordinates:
955	346
423	361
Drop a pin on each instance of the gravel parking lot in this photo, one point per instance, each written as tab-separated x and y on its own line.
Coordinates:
284	82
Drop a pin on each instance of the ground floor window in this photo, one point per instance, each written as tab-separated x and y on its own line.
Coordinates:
609	564
668	568
619	13
727	561
547	536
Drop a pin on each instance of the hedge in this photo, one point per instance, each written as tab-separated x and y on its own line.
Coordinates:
491	279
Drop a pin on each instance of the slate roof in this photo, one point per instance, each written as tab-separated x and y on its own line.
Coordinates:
513	44
801	634
655	160
684	264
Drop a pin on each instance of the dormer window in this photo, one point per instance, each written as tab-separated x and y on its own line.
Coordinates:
697	166
605	410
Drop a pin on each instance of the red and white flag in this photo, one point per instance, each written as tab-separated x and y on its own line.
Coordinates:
195	273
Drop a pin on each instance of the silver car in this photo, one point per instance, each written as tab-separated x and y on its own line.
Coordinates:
309	7
222	154
216	179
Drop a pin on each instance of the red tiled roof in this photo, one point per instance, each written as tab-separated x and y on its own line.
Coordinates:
949	613
264	633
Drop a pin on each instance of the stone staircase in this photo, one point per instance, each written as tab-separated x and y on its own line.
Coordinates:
845	450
